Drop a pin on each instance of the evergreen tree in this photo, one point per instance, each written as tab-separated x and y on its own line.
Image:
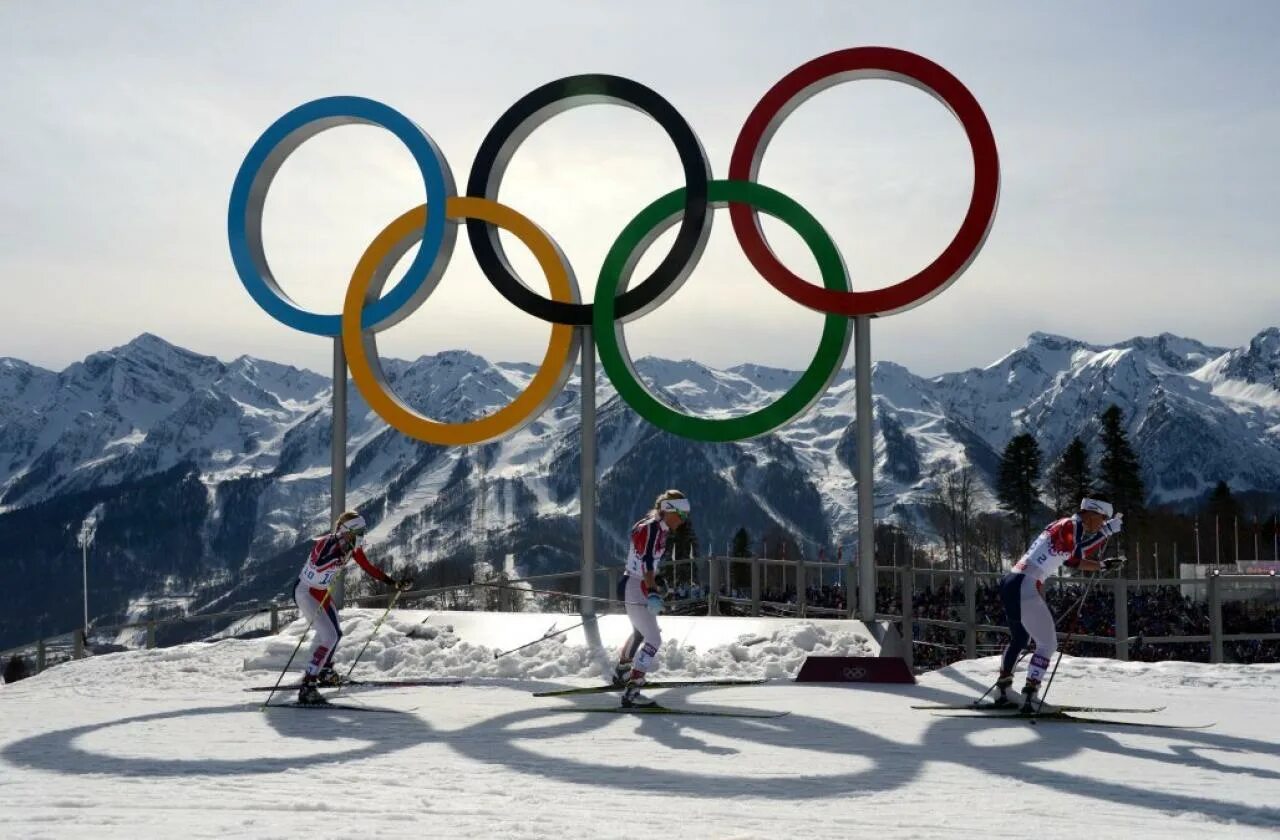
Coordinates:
15	670
742	543
1071	479
1016	487
1120	474
684	542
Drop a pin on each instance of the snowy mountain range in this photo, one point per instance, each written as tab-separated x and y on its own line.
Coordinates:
212	475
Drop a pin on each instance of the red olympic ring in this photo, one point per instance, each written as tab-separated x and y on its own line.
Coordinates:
827	71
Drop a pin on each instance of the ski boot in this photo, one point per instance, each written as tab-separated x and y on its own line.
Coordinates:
621	672
309	694
631	696
1031	705
1004	696
328	677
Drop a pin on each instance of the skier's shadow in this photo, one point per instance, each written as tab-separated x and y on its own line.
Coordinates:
353	735
885	764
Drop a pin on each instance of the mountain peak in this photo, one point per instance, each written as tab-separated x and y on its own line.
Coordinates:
1175	351
151	343
1052	340
453	358
1266	342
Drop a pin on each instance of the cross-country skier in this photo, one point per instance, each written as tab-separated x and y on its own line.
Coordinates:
1074	542
330	554
638	591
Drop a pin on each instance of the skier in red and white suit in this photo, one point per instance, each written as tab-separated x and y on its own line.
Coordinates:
1076	542
638	591
329	555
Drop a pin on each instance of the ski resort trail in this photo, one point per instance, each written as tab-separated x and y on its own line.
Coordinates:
165	743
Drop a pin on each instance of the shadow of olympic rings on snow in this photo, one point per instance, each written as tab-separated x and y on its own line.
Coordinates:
379	734
519	740
508	740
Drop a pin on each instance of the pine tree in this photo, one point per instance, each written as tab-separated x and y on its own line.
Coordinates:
15	670
1120	474
1016	487
742	543
684	542
1071	479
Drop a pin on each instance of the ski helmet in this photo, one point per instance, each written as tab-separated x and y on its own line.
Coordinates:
673	501
1097	506
352	523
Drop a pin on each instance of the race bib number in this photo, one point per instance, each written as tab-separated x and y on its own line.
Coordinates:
315	578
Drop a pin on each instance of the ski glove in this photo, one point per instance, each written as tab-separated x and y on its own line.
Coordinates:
1112	526
403	583
654	603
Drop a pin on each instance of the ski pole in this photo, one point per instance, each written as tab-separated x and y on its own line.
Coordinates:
372	633
1075	606
323	601
1075	625
543	639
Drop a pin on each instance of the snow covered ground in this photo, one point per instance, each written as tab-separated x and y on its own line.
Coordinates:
165	743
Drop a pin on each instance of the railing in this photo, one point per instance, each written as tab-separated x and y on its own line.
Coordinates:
1118	588
711	584
72	644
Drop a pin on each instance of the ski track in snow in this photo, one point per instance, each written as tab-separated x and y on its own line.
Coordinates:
165	743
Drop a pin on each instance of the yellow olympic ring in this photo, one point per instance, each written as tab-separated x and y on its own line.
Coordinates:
361	345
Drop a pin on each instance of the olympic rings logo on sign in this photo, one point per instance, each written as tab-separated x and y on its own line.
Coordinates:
367	310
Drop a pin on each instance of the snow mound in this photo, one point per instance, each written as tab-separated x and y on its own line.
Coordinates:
406	647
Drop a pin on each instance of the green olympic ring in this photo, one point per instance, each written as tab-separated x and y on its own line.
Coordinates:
616	271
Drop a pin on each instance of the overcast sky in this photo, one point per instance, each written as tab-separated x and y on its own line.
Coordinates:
1138	144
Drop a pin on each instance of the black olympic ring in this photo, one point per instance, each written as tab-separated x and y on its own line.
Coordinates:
515	126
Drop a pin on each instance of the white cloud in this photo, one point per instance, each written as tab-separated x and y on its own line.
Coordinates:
1131	185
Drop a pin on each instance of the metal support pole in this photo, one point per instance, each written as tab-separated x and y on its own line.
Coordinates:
338	453
275	619
802	583
77	645
713	584
866	467
1235	530
40	656
970	614
84	556
907	587
755	586
587	481
1121	593
1215	619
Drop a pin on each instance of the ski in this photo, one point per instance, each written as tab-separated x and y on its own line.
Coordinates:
1063	717
666	710
991	707
429	681
603	689
339	707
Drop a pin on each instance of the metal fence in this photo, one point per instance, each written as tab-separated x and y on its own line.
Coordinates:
758	586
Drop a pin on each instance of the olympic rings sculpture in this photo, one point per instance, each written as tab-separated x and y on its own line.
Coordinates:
367	310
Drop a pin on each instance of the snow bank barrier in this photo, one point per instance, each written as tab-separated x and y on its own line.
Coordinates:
416	643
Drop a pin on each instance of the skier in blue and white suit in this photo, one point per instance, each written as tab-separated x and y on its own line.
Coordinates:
638	590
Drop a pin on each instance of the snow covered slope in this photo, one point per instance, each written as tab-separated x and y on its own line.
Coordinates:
165	743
